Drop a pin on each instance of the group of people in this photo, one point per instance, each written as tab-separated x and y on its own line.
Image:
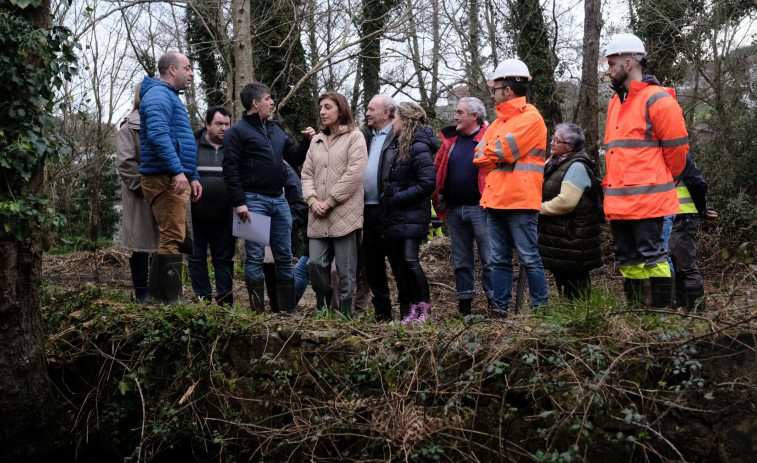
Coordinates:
365	197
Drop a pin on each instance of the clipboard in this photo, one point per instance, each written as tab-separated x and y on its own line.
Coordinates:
258	229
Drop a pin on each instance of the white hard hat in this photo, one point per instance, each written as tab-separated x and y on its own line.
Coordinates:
625	44
510	68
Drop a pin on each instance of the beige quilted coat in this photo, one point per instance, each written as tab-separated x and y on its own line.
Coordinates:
334	172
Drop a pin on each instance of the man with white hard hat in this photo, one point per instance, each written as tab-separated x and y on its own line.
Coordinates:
646	145
512	153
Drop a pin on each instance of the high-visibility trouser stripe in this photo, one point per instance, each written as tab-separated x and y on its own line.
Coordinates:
639	190
642	272
520	167
636	143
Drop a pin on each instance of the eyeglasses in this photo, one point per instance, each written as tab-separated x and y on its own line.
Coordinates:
558	142
494	89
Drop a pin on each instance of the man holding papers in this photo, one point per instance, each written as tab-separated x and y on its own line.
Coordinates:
253	168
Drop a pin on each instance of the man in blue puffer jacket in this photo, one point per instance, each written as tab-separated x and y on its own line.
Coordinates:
168	168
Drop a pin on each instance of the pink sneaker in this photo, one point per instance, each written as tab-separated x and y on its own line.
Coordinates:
411	316
424	309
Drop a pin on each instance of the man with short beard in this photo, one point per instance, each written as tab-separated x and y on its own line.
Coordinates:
647	142
211	215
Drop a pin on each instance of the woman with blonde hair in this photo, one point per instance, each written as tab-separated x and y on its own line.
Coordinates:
332	185
139	232
406	207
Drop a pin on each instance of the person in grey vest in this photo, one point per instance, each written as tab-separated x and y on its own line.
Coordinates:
212	214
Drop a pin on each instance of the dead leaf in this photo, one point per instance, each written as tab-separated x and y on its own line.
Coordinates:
186	395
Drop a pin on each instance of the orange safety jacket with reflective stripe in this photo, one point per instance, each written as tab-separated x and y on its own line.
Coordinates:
646	145
513	152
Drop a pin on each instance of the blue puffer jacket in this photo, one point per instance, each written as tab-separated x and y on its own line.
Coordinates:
406	188
168	144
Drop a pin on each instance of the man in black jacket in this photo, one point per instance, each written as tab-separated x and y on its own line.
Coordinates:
253	167
379	136
211	215
692	198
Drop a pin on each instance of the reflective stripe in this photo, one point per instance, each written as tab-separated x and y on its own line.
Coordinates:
520	167
539	153
498	150
685	201
639	190
652	100
209	169
642	272
673	142
633	143
479	152
513	146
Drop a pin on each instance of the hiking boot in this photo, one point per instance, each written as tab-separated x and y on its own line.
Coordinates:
424	312
412	315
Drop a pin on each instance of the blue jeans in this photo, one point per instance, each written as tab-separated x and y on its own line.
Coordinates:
515	229
218	236
667	229
281	237
301	277
467	224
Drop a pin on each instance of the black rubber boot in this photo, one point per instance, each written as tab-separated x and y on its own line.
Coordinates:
345	307
404	309
225	299
286	297
662	292
255	288
637	292
464	306
139	265
695	299
166	284
322	300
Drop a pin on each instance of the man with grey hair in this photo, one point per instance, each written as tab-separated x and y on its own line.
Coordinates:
459	185
379	136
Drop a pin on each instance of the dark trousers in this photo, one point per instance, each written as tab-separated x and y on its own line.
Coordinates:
412	285
574	284
217	236
639	241
683	251
374	255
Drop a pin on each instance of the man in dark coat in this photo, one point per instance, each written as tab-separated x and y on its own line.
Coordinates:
255	149
211	215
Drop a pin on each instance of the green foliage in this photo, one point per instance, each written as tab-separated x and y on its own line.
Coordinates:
533	47
33	62
732	177
203	24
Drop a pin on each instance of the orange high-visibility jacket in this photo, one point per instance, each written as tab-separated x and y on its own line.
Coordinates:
646	145
513	152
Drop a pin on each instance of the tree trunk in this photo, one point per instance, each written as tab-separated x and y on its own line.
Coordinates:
588	94
27	408
534	45
244	72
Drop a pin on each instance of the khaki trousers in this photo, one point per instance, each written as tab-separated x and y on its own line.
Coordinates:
169	209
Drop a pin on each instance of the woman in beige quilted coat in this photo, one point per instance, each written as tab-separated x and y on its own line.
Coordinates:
332	185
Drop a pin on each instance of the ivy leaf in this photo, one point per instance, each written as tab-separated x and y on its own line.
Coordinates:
24	3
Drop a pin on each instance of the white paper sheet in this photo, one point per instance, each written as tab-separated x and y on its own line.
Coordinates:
258	229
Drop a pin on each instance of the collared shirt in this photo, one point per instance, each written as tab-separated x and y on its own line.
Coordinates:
372	168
